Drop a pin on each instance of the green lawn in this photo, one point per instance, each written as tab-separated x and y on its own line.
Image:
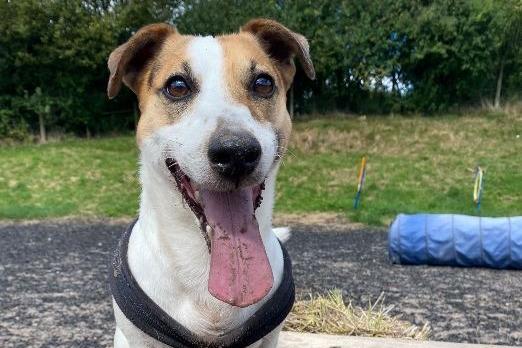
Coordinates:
414	165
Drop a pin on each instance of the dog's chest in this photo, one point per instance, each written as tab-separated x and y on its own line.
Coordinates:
212	319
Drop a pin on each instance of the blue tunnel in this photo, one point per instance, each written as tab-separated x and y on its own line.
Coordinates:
456	240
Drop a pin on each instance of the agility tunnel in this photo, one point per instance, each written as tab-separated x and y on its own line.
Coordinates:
456	240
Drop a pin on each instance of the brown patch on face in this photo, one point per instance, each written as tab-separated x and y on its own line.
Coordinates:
156	109
244	59
145	63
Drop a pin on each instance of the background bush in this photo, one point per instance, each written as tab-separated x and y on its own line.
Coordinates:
371	57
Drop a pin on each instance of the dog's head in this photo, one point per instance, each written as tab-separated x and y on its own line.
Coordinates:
214	118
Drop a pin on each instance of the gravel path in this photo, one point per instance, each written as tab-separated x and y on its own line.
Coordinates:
53	289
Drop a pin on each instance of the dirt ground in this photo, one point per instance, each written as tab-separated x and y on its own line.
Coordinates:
54	293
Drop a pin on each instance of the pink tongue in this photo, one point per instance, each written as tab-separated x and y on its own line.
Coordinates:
240	273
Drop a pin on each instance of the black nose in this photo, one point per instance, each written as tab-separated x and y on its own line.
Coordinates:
234	154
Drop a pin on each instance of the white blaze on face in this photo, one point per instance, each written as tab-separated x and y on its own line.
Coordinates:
206	61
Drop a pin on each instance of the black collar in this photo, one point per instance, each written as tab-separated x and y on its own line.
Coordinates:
155	322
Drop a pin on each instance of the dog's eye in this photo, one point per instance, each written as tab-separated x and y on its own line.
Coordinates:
177	87
263	86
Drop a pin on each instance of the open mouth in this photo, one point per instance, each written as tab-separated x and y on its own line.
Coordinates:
191	196
240	273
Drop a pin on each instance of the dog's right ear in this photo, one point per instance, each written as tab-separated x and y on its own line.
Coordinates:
128	60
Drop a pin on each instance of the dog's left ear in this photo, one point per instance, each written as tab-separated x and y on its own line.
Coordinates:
126	63
282	45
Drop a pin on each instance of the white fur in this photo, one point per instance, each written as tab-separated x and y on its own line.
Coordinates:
167	253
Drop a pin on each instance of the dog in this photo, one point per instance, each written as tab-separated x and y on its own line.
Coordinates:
212	132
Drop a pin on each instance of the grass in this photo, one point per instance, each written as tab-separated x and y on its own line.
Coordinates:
415	164
330	314
75	177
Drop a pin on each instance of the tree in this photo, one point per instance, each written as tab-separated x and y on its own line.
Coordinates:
40	104
507	28
370	56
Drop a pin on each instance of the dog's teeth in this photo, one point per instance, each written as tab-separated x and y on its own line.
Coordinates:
209	230
196	195
201	220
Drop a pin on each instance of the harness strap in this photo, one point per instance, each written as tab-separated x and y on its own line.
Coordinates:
146	315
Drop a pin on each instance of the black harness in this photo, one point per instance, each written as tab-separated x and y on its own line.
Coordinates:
146	315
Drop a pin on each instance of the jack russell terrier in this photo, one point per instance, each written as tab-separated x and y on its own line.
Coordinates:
202	266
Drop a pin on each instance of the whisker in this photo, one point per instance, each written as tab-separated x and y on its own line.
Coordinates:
287	150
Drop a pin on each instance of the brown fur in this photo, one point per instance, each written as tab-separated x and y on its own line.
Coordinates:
127	62
282	45
245	59
156	111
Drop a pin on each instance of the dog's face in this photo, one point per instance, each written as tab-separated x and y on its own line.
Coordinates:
214	118
200	95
